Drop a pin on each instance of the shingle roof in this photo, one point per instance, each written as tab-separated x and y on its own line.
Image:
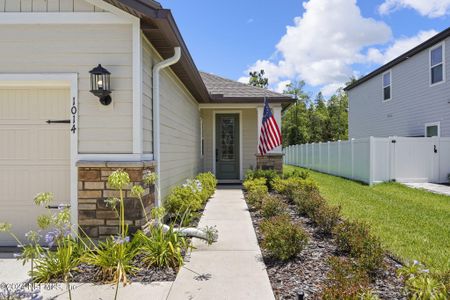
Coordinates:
223	89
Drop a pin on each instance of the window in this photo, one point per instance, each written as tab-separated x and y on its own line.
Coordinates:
387	86
437	64
432	129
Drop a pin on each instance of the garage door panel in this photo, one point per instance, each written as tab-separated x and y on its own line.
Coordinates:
48	104
47	180
15	104
53	143
13	191
14	143
34	155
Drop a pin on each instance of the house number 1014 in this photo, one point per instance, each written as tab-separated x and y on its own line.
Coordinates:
74	111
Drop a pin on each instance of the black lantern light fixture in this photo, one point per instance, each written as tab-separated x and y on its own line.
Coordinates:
100	84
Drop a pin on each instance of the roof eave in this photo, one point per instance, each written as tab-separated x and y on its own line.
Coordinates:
160	28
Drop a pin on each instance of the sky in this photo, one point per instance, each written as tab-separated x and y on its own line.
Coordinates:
323	42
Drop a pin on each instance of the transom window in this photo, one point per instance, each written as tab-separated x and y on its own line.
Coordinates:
387	84
437	64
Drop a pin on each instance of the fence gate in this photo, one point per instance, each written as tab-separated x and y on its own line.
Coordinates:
414	159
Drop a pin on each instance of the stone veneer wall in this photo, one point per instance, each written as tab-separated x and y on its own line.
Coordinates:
99	221
270	161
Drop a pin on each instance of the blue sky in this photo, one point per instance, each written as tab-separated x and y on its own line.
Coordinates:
327	40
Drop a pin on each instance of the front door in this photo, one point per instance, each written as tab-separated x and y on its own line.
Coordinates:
227	146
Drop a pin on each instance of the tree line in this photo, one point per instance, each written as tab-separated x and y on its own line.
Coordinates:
310	120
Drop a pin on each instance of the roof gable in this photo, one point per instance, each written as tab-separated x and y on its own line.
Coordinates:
227	90
425	45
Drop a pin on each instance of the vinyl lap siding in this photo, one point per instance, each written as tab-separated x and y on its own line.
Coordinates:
47	6
208	148
76	49
414	102
249	138
147	113
180	133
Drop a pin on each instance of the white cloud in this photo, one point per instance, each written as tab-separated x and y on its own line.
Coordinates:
322	44
399	47
429	8
281	86
250	21
329	89
244	79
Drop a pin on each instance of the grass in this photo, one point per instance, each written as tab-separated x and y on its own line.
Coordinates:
412	224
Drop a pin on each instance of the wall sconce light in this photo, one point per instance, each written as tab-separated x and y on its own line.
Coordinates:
100	84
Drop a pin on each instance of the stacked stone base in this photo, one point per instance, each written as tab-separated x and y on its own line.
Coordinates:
94	217
270	161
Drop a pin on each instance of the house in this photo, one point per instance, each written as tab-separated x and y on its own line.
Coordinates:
89	86
409	96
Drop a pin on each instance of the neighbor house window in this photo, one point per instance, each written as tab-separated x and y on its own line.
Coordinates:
387	86
432	129
437	64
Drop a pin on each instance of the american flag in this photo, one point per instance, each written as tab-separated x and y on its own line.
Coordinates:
270	135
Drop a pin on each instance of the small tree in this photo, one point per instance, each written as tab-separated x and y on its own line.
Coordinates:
258	79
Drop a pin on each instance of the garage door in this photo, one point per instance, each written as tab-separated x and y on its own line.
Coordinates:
34	155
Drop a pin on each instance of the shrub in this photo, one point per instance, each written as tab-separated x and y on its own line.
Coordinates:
272	206
251	183
346	281
307	202
162	249
421	284
354	238
182	199
283	239
269	175
303	174
326	217
256	195
292	185
209	183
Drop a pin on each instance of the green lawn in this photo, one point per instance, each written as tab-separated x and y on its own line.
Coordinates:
411	223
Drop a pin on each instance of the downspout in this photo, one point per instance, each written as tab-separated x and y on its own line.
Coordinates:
156	123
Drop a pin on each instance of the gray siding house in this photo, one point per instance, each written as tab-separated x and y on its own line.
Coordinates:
409	96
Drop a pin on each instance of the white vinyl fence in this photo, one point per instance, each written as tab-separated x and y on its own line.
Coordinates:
372	160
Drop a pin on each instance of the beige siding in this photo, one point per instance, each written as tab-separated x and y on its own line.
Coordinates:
47	6
249	137
147	109
207	117
180	133
76	49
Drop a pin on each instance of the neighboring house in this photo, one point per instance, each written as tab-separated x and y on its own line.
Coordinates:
409	96
165	115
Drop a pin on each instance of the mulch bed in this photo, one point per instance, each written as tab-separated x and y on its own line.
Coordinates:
91	274
307	272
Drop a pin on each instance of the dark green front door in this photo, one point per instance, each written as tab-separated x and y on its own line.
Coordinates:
227	146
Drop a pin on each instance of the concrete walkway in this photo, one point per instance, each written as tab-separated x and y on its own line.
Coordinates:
431	187
232	267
